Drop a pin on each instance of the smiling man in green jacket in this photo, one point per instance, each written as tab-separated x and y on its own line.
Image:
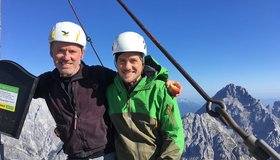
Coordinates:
146	117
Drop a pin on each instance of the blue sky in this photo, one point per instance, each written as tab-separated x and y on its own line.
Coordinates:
217	42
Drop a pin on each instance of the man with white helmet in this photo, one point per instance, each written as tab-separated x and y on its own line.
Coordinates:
75	95
146	118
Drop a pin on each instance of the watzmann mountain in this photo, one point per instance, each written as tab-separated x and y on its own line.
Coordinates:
205	137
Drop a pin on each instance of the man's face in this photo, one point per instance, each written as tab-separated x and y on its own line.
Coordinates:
67	57
130	67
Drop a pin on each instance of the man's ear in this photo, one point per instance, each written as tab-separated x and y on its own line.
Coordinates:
51	53
51	45
82	54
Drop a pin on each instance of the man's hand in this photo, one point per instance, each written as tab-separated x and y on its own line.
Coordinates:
174	88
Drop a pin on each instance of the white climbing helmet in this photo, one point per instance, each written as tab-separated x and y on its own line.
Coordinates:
129	42
68	32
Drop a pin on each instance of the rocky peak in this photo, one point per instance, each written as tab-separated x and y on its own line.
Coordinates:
235	92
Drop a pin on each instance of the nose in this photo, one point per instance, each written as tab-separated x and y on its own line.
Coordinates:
67	56
127	65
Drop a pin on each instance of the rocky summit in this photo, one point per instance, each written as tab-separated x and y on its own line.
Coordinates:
205	137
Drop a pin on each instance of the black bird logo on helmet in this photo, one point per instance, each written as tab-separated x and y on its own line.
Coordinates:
65	33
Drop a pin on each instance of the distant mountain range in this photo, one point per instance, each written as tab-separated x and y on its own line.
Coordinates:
187	106
205	137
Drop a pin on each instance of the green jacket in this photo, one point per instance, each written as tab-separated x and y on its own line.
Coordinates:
147	120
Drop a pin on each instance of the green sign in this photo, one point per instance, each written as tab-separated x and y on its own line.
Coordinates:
8	97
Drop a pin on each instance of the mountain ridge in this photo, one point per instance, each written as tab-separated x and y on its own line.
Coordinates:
205	136
249	114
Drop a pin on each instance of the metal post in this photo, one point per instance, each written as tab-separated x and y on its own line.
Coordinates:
1	145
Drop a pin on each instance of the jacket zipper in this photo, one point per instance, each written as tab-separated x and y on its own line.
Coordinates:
128	109
74	108
70	102
75	120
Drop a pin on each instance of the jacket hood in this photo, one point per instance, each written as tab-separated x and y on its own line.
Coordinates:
153	69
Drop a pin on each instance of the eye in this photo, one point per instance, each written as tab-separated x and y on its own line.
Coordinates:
72	51
133	61
121	61
60	50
